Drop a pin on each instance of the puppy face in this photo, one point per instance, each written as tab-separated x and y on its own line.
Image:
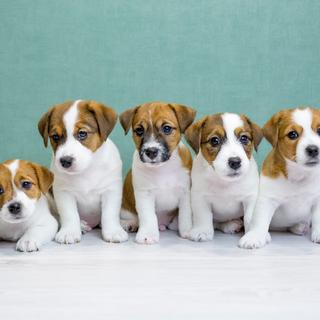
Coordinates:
76	130
295	135
226	141
21	185
157	129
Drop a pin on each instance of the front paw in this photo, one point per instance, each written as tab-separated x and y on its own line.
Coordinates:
315	236
27	245
68	235
116	235
145	236
201	235
254	240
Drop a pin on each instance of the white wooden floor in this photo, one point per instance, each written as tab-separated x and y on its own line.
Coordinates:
177	279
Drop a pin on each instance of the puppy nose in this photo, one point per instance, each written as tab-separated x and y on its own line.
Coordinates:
152	153
312	151
66	162
234	163
15	208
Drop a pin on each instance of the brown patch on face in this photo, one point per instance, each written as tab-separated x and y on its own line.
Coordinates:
186	157
6	190
128	200
315	119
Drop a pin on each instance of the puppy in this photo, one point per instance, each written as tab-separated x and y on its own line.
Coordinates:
289	196
158	186
87	167
224	175
24	211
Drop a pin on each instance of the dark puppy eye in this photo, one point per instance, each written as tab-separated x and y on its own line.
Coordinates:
139	131
244	139
55	138
82	135
1	191
318	131
293	135
167	129
26	185
215	141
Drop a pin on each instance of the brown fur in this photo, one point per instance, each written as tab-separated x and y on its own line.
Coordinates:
5	184
186	158
128	201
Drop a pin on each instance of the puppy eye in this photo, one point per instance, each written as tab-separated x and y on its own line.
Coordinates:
1	191
167	129
293	135
26	185
139	131
244	139
55	137
82	135
215	141
318	131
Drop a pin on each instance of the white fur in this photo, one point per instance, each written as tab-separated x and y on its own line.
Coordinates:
91	190
217	196
35	227
289	202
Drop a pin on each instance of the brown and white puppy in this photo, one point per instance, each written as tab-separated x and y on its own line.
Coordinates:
87	167
289	195
158	186
24	211
225	176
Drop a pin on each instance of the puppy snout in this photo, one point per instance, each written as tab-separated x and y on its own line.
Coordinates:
66	162
15	208
312	151
234	163
152	153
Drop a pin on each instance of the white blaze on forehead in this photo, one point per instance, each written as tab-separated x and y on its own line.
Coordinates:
70	118
231	121
13	167
303	118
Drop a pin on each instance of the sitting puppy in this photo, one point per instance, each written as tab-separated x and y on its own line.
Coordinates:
289	195
24	209
158	186
87	167
224	175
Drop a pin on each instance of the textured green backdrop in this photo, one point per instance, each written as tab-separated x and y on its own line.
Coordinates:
246	56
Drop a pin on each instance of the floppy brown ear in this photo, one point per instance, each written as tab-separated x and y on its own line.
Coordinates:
43	126
193	134
45	177
257	133
185	115
270	129
126	118
105	116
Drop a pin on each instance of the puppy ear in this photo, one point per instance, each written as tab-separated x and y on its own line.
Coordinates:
270	129
185	115
193	134
43	126
126	118
105	116
45	177
257	133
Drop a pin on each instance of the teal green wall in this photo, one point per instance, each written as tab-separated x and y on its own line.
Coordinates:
248	56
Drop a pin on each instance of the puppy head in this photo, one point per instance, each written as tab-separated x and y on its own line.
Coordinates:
21	185
157	129
295	135
226	141
76	130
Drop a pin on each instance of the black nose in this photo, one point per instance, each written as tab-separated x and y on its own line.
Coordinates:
66	162
152	153
312	151
15	208
234	163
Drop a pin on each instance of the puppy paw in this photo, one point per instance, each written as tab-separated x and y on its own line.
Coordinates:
233	226
300	229
254	240
85	227
129	225
68	236
115	235
201	235
27	245
162	227
315	236
147	237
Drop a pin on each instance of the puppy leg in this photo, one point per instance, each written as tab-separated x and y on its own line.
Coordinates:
300	229
70	231
112	230
148	232
248	207
202	229
39	234
129	221
232	226
315	225
85	227
185	215
174	225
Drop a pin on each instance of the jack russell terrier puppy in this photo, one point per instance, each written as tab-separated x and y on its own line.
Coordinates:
224	176
289	195
24	210
158	186
87	166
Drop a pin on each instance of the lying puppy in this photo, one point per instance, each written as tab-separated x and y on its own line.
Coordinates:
24	209
289	193
87	168
158	186
224	175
